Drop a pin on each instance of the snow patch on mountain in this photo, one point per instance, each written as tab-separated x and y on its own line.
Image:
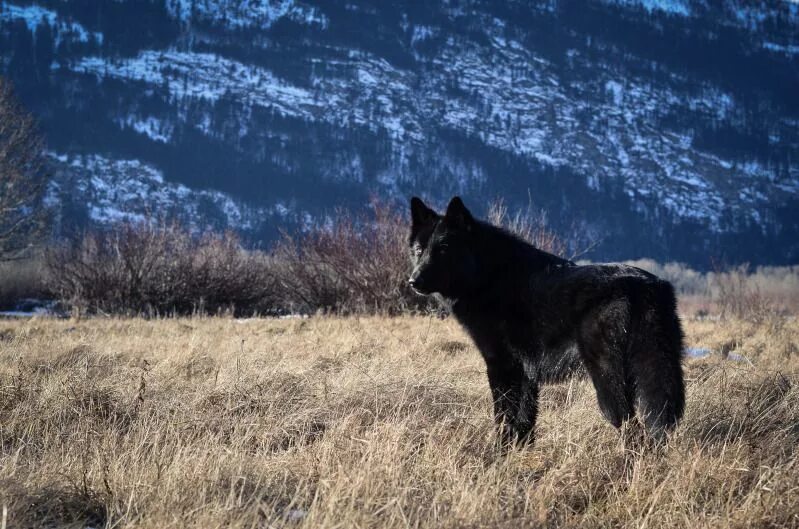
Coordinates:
381	91
790	49
238	14
421	33
609	129
528	111
35	15
115	190
205	76
751	16
673	7
152	127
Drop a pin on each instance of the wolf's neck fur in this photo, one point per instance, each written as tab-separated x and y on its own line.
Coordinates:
504	250
504	258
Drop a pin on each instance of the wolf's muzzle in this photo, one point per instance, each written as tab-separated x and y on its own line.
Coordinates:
417	286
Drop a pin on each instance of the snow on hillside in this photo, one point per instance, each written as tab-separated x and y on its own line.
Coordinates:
128	190
380	87
239	14
673	7
152	127
531	113
35	15
202	75
468	97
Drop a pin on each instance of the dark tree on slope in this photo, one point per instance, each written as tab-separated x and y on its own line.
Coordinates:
23	177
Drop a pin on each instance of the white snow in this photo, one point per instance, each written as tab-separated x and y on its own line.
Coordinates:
129	190
150	126
616	90
422	33
237	14
23	313
35	15
203	76
790	49
505	94
674	7
697	352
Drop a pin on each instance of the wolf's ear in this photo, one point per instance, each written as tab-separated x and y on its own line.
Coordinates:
457	215
421	215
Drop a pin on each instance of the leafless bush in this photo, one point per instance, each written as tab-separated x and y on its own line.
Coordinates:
357	265
686	280
779	284
532	226
360	263
738	296
23	176
159	268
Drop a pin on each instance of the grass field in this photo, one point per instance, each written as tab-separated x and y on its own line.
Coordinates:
370	422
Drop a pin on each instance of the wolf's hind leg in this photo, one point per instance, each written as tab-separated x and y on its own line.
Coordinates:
656	365
611	392
602	342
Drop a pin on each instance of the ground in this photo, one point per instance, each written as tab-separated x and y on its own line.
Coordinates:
370	422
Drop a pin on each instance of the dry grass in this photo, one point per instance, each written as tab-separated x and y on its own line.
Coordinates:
369	422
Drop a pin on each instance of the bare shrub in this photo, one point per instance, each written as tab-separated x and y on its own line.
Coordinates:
357	265
738	296
779	284
737	292
158	268
23	177
686	280
532	226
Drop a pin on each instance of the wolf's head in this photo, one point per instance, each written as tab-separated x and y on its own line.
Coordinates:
442	249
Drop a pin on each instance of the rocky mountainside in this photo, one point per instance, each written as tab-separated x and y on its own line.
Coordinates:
667	128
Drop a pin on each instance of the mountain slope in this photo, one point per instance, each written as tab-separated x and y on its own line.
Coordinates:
668	128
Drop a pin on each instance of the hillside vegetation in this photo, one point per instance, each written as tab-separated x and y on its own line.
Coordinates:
371	422
669	126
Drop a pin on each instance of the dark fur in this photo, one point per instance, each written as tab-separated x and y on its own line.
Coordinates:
537	318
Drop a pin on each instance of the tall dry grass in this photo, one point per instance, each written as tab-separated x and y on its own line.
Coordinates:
370	422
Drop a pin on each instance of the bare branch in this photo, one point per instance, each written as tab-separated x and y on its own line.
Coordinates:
23	177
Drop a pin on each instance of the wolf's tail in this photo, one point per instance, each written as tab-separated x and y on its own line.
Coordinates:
656	360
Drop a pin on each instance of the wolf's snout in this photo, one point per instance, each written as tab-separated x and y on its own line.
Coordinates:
416	284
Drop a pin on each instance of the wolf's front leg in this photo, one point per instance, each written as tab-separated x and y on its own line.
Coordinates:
515	401
527	411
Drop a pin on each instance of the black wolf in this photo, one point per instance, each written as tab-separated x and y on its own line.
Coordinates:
537	318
